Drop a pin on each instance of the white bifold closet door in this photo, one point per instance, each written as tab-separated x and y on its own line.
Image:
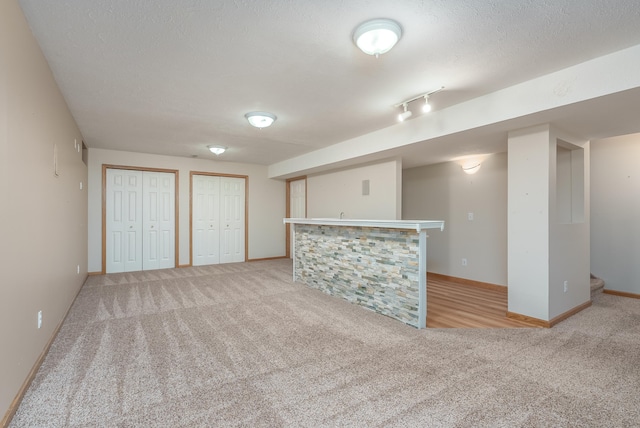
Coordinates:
140	220
158	220
206	220
218	220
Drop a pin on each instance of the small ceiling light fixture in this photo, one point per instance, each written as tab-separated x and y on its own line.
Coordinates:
406	114
377	36
217	150
260	119
426	108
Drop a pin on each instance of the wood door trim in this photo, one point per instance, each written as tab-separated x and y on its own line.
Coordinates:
104	207
288	210
246	209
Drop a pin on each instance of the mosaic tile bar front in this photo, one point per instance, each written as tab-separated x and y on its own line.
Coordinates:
377	268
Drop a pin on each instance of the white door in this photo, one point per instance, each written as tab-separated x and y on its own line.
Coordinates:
158	220
232	201
297	205
205	236
123	220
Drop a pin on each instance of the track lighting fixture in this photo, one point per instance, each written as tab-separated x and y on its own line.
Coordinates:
405	104
406	114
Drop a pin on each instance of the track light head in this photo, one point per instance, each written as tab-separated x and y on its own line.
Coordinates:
406	114
426	108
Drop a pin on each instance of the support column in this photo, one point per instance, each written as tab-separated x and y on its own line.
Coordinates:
548	224
528	222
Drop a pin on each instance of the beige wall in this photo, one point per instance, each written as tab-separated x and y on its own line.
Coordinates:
337	192
444	192
615	210
43	217
266	198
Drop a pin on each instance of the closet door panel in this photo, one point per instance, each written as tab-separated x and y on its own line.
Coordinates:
123	220
206	220
233	203
158	220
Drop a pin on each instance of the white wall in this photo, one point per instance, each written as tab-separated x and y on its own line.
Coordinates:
333	193
544	250
444	192
43	218
569	238
615	212
266	199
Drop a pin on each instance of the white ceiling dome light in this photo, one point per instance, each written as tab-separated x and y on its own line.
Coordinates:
377	36
260	119
217	150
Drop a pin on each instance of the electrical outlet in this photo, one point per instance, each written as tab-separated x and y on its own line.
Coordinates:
470	216
566	286
39	319
464	262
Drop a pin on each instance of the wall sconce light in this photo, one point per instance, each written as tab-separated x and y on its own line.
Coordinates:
472	168
377	36
471	164
260	119
217	150
426	108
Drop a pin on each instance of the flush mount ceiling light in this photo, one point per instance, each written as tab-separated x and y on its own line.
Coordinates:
377	36
217	150
260	119
426	108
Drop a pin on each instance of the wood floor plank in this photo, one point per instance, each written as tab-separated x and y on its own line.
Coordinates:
453	305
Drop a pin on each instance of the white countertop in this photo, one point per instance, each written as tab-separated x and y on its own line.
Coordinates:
418	225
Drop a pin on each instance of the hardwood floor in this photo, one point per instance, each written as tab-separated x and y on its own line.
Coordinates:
451	305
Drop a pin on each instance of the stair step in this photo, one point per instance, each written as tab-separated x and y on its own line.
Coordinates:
597	285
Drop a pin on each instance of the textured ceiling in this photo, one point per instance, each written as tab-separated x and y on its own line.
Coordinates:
170	77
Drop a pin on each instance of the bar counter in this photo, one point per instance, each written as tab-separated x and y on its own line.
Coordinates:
378	264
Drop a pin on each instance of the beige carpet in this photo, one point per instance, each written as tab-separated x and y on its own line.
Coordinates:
241	345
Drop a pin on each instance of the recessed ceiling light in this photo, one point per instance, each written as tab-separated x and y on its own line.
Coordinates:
377	36
260	119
